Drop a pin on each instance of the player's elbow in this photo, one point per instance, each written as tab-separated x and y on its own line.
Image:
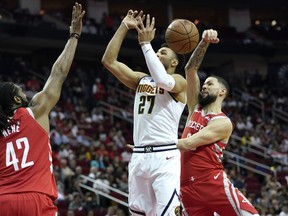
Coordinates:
111	66
105	61
108	60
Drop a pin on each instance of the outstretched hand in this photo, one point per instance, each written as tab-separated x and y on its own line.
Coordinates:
131	20
76	23
210	36
146	33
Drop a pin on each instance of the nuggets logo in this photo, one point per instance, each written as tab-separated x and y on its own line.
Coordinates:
177	211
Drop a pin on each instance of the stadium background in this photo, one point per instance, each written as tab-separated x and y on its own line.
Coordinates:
92	122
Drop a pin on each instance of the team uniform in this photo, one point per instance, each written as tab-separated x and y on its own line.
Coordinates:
27	184
154	168
205	188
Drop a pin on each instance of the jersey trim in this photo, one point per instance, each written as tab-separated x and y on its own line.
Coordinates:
30	112
170	201
141	79
171	94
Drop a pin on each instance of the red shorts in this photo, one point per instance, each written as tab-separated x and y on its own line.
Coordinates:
27	204
213	192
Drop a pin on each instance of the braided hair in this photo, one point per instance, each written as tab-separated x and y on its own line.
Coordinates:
7	92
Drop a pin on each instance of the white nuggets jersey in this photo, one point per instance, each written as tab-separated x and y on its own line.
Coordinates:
156	115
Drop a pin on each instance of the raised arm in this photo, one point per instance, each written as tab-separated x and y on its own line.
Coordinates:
120	70
216	130
43	102
174	83
193	64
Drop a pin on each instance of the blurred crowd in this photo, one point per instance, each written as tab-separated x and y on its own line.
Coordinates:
88	140
262	32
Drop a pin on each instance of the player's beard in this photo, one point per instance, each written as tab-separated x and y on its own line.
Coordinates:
204	101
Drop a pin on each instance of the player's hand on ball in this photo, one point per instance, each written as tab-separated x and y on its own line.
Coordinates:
131	20
210	36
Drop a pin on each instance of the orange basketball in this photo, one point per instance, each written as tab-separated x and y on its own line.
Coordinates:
182	36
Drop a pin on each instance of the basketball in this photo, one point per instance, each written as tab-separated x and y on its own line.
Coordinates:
182	36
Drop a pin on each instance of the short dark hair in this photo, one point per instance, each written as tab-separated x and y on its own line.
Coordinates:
181	58
223	82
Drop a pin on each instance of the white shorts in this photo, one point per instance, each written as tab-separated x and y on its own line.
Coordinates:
154	181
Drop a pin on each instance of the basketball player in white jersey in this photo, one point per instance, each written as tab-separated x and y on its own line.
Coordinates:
154	169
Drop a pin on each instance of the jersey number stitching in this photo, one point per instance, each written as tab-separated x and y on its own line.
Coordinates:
143	100
11	158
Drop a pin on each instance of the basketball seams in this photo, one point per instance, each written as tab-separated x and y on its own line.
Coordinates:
185	24
187	35
180	33
175	41
179	36
182	22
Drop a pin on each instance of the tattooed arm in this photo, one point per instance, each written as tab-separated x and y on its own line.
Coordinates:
192	66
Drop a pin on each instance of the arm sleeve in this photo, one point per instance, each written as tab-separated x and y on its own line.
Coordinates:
156	68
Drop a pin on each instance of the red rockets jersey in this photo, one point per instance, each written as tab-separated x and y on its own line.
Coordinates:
26	157
206	157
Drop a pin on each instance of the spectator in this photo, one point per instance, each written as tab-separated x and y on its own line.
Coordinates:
284	211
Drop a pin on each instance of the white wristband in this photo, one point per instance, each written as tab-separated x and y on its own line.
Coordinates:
144	42
146	47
